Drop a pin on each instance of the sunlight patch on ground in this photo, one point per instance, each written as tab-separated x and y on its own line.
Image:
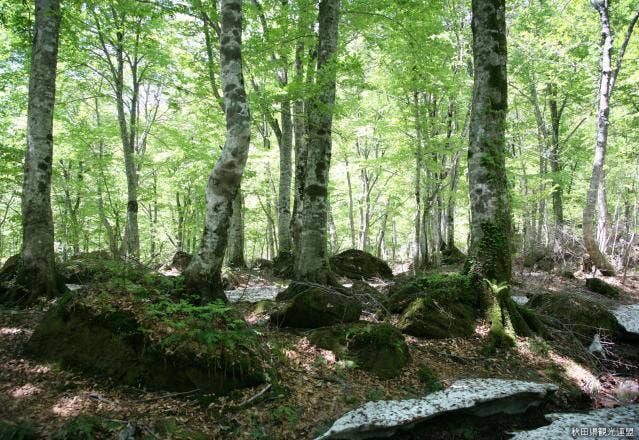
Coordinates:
10	331
69	406
578	374
25	390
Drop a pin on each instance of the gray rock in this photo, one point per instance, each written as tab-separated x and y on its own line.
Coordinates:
480	397
74	287
628	318
520	299
253	294
569	425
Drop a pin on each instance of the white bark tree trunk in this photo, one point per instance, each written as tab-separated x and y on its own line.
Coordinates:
37	270
312	262
204	273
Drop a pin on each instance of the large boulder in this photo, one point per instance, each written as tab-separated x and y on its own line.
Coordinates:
377	348
153	342
585	317
438	317
357	265
403	293
465	399
603	288
95	266
309	305
181	260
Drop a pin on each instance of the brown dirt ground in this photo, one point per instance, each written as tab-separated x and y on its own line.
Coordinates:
313	389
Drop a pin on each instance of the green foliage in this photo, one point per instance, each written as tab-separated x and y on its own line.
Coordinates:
539	346
284	414
429	379
16	431
374	394
215	326
87	428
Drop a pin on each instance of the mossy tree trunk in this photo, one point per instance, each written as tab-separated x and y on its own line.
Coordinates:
204	273
36	272
490	247
312	260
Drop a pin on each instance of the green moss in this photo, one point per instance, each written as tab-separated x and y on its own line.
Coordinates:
377	348
429	379
160	344
402	294
16	431
438	317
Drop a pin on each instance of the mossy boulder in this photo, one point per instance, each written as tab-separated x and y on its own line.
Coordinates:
603	288
181	260
583	316
357	265
539	258
97	266
403	293
156	342
370	298
377	348
311	305
438	317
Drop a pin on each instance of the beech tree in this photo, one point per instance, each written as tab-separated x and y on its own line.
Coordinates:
37	269
596	190
312	259
204	272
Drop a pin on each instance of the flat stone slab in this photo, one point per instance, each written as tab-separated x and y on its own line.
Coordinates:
74	287
628	318
253	294
608	423
481	397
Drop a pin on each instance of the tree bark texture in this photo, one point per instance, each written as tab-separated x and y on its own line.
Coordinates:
236	234
490	250
204	272
37	271
312	262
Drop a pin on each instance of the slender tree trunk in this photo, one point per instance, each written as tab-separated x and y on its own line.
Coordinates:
555	166
204	272
312	262
284	193
37	269
490	249
301	150
606	86
450	208
602	214
236	234
351	214
417	260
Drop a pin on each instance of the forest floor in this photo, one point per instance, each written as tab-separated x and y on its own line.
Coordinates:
315	388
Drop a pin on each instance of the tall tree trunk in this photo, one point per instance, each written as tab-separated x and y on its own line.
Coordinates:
490	249
606	86
555	166
204	272
351	214
312	262
417	239
450	207
236	234
301	149
284	193
37	270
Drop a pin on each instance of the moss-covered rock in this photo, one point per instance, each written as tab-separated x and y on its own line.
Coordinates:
357	265
153	342
583	316
403	293
438	317
95	267
377	348
452	255
311	305
603	288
